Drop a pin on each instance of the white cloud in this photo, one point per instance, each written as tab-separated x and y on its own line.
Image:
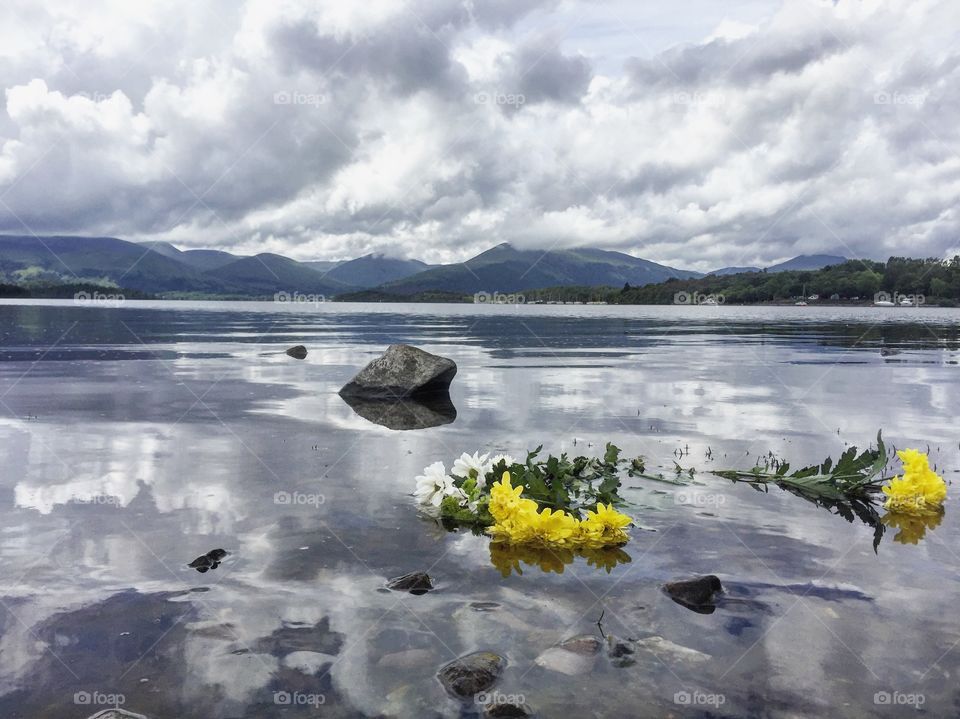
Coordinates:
754	132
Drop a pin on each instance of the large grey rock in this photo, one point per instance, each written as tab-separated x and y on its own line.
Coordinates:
116	714
469	675
402	371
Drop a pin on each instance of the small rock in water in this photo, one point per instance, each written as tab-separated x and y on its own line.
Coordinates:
471	674
406	659
664	648
585	644
507	710
208	561
484	606
116	714
298	352
415	583
573	656
697	594
566	662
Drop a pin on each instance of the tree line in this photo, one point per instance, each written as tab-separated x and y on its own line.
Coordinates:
938	281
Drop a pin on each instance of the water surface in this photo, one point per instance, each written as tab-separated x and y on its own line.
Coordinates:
136	438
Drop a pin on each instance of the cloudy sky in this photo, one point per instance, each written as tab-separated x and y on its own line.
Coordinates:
692	132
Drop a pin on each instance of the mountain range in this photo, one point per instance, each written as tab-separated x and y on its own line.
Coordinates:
162	268
800	262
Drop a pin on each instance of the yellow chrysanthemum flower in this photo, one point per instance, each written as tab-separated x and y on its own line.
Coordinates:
518	521
604	528
920	490
504	498
557	527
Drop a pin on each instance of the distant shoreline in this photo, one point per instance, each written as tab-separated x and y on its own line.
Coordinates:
116	297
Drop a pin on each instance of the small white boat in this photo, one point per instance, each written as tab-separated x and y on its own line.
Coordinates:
883	303
801	303
906	302
709	301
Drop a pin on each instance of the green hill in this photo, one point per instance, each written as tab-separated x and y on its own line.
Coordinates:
105	260
507	269
374	270
207	259
266	274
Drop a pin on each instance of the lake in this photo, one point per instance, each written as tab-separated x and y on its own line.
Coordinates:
139	437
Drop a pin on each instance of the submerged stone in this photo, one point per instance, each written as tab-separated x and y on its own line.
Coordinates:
406	659
507	710
557	659
402	371
621	651
665	650
585	644
298	352
469	675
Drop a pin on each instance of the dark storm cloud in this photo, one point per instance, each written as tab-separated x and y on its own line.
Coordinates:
412	58
541	72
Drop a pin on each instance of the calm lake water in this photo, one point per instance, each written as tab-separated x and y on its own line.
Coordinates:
134	439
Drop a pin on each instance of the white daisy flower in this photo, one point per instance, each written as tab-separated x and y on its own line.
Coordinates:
495	460
473	465
433	485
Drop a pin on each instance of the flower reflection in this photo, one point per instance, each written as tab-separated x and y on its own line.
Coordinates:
911	528
507	558
605	558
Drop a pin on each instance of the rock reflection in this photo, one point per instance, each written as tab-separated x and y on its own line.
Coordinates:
507	558
301	637
165	659
417	412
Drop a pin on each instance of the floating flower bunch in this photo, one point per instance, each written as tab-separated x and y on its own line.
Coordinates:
919	491
555	503
520	521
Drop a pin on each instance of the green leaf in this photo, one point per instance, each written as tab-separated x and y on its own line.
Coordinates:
612	455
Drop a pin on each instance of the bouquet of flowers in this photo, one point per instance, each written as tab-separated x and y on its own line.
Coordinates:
556	502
